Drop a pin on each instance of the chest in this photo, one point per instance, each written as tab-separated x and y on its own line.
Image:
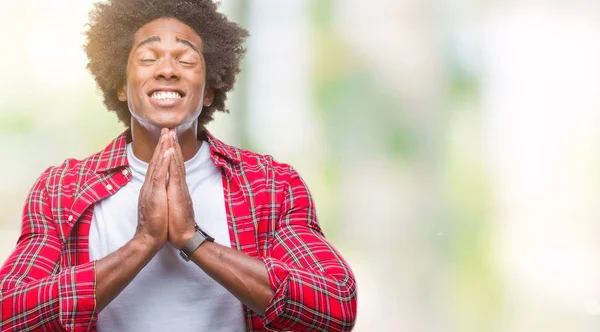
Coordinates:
114	219
249	206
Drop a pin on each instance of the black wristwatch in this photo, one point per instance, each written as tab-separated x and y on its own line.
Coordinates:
199	237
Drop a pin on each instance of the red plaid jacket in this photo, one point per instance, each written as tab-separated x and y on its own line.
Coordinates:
48	282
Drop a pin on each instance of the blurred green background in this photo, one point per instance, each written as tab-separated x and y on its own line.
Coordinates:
451	146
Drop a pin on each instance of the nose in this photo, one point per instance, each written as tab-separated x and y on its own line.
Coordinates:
166	69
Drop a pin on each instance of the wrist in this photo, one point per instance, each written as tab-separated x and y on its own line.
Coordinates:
178	242
199	237
184	239
146	243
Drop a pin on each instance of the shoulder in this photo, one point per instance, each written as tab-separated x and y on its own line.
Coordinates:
263	165
262	171
266	162
73	172
71	169
249	163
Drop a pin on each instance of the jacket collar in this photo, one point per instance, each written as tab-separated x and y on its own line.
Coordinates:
114	156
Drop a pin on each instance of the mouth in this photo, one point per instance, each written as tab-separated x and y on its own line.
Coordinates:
166	94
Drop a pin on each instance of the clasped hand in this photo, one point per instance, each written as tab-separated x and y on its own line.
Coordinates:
165	209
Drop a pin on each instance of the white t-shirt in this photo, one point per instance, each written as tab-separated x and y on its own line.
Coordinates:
169	294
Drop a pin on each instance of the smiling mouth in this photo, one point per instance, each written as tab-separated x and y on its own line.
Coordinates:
165	95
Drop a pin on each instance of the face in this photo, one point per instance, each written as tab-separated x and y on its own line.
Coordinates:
165	85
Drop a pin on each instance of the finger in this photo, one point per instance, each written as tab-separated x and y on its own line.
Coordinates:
159	177
176	172
172	137
174	176
159	163
178	156
158	153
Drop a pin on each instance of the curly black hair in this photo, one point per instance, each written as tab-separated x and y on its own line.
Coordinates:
113	23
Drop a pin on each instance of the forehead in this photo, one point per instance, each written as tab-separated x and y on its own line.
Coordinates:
168	29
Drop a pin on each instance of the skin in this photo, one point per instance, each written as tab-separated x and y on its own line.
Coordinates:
168	54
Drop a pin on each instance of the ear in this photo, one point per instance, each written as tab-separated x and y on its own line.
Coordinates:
209	96
122	94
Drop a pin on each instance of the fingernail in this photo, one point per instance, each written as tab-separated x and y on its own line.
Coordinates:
167	153
173	135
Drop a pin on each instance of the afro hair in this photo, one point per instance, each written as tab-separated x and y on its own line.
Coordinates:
113	23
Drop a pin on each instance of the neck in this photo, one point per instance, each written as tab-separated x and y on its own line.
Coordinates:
144	141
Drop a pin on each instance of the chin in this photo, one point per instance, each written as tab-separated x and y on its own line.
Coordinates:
172	122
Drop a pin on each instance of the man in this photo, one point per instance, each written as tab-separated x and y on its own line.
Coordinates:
106	240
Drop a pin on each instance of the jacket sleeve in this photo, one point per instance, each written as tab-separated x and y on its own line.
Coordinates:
315	290
35	292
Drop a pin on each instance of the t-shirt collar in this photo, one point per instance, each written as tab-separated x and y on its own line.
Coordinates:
114	156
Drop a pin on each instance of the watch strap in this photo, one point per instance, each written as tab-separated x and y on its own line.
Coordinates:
194	243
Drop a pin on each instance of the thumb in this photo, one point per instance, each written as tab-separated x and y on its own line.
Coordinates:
173	174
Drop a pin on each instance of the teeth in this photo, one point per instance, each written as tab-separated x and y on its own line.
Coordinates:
162	95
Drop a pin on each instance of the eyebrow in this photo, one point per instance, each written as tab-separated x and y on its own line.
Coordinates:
188	43
154	39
